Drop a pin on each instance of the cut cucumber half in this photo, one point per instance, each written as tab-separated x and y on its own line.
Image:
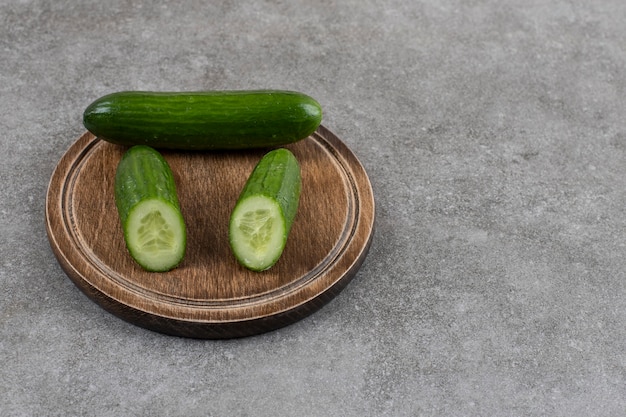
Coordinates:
147	203
264	213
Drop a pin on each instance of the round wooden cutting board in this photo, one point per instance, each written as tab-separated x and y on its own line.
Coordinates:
210	295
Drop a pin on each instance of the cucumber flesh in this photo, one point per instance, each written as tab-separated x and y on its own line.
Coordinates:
155	235
258	231
264	213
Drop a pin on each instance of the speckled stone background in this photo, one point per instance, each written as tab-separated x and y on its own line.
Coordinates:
494	135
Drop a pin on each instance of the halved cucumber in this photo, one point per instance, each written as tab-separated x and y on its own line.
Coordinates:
264	213
147	203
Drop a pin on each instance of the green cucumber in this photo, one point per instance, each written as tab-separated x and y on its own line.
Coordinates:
147	204
206	120
265	210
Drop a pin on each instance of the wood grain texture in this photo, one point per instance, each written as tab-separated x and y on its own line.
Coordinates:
210	295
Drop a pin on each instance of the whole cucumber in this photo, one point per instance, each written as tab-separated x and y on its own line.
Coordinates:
206	120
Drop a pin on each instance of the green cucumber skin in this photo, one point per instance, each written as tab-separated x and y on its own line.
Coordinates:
143	174
277	176
205	120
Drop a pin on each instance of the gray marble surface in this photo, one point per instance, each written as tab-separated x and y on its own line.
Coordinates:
494	135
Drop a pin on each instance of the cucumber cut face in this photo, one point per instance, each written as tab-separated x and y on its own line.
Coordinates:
155	235
258	232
